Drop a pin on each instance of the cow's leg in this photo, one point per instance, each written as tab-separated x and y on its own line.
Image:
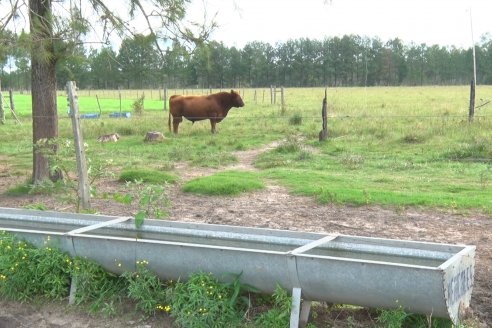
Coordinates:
212	123
176	121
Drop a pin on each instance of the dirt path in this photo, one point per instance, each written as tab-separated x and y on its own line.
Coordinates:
275	208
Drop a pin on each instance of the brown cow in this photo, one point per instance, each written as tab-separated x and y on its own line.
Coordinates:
213	107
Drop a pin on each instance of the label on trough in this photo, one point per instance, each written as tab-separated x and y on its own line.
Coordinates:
460	284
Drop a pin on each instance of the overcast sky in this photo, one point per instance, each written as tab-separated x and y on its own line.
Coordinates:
443	22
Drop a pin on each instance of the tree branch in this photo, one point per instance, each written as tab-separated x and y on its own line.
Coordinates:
10	15
137	2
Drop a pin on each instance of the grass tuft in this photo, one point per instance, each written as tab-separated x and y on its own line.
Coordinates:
19	190
228	183
146	175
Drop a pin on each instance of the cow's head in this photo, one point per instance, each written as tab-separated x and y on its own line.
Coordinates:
236	100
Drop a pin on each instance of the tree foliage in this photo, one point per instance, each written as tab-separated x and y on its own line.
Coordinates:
347	61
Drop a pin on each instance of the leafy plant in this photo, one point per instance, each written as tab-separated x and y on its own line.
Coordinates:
27	271
138	105
279	314
398	318
239	291
392	318
203	302
146	289
96	287
152	200
63	164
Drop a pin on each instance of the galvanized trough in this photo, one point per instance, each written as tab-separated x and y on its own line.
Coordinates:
422	277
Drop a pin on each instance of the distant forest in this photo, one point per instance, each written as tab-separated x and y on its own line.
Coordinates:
351	60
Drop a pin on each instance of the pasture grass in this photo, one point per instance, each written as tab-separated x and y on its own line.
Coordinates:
227	183
395	146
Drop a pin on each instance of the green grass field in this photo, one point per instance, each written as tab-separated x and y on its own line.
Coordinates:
399	146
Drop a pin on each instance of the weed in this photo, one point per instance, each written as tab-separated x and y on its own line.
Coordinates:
352	161
485	177
291	145
95	286
295	119
63	164
19	190
27	271
325	196
398	318
138	105
146	289
304	155
279	314
392	318
412	138
203	302
475	149
238	297
152	200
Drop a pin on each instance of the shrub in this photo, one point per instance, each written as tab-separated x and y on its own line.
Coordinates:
138	105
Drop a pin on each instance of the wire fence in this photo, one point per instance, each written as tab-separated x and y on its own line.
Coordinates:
106	102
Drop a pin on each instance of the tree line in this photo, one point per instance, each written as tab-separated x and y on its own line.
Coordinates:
351	60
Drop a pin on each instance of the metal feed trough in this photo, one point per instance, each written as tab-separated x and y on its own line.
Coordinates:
422	277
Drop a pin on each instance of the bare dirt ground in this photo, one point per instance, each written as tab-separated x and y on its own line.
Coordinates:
273	208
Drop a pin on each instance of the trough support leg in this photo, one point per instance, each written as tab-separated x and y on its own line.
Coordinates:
73	290
306	307
299	316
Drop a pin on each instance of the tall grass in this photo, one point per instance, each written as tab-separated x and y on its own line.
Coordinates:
398	146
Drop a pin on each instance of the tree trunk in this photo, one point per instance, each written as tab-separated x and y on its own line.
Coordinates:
43	84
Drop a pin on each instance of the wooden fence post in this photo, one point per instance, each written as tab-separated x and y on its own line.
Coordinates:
84	188
282	100
323	134
119	96
2	113
165	99
471	110
98	105
12	106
